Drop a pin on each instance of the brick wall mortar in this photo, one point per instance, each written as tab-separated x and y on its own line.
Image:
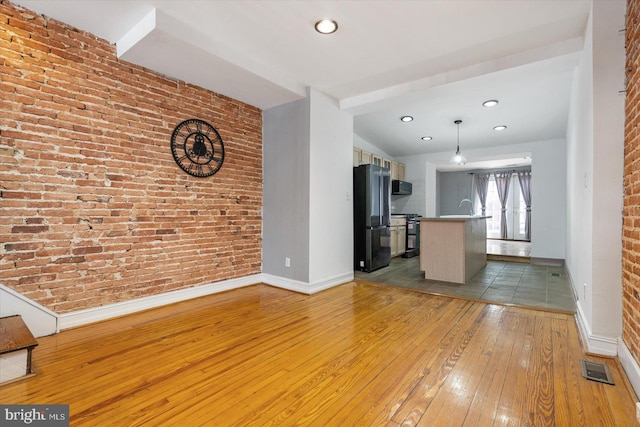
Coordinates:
93	208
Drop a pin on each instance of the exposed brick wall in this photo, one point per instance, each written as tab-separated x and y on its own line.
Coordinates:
93	208
631	221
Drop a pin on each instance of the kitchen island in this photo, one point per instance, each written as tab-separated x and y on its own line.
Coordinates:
453	248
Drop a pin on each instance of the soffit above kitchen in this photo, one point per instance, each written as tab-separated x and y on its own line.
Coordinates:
435	60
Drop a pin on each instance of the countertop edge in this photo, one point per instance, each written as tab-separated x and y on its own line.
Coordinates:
458	219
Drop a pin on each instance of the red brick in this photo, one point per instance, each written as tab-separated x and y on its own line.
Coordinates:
88	172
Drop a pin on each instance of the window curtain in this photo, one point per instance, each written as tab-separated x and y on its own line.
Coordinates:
482	186
525	186
503	179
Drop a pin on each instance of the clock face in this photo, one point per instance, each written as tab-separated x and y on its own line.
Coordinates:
197	148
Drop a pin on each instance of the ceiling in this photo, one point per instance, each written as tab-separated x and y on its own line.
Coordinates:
434	60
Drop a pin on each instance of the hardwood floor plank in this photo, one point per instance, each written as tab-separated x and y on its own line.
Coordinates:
453	400
389	372
452	347
619	409
540	408
337	359
509	403
482	411
411	366
356	354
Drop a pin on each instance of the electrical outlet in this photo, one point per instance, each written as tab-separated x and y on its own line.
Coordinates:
287	262
638	411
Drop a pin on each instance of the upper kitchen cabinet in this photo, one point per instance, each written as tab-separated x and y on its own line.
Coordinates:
362	157
397	170
366	158
357	157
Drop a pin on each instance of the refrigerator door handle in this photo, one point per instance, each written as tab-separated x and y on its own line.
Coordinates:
380	190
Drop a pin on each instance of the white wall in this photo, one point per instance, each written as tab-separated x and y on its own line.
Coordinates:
548	199
285	210
580	177
548	189
330	189
453	187
308	185
595	150
608	165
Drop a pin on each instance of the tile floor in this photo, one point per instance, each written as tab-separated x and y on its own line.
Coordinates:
538	286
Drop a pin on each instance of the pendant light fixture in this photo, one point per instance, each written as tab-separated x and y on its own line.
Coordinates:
458	158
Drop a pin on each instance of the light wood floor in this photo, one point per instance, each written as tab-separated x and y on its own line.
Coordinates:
512	248
355	355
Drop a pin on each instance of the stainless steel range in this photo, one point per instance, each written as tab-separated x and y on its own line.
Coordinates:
413	236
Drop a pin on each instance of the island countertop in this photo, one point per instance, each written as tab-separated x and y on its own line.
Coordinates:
453	217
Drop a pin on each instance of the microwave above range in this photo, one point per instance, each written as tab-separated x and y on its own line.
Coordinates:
401	188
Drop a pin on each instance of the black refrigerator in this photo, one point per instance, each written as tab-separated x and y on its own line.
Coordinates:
371	217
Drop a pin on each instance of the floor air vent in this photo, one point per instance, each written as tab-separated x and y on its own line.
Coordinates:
596	372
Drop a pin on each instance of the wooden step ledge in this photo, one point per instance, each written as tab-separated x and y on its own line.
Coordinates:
15	336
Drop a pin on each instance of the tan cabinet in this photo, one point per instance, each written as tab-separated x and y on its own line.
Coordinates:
357	156
453	249
397	170
401	240
362	157
398	235
365	158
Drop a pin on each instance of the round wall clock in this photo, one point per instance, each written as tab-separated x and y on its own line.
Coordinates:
197	148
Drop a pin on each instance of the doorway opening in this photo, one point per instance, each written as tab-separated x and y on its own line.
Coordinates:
516	210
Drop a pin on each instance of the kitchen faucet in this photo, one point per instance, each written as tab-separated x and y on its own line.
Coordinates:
470	206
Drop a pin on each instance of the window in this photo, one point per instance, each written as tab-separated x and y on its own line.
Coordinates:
516	211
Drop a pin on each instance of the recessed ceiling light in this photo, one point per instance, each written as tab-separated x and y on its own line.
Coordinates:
490	103
501	127
426	138
326	26
406	118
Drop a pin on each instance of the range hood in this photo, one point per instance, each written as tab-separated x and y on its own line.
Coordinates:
401	188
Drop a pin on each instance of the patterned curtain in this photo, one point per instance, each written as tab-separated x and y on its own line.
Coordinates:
482	185
503	179
525	186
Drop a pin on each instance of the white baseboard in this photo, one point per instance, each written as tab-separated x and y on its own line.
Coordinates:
57	322
95	314
330	282
40	320
630	366
304	287
596	344
284	283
